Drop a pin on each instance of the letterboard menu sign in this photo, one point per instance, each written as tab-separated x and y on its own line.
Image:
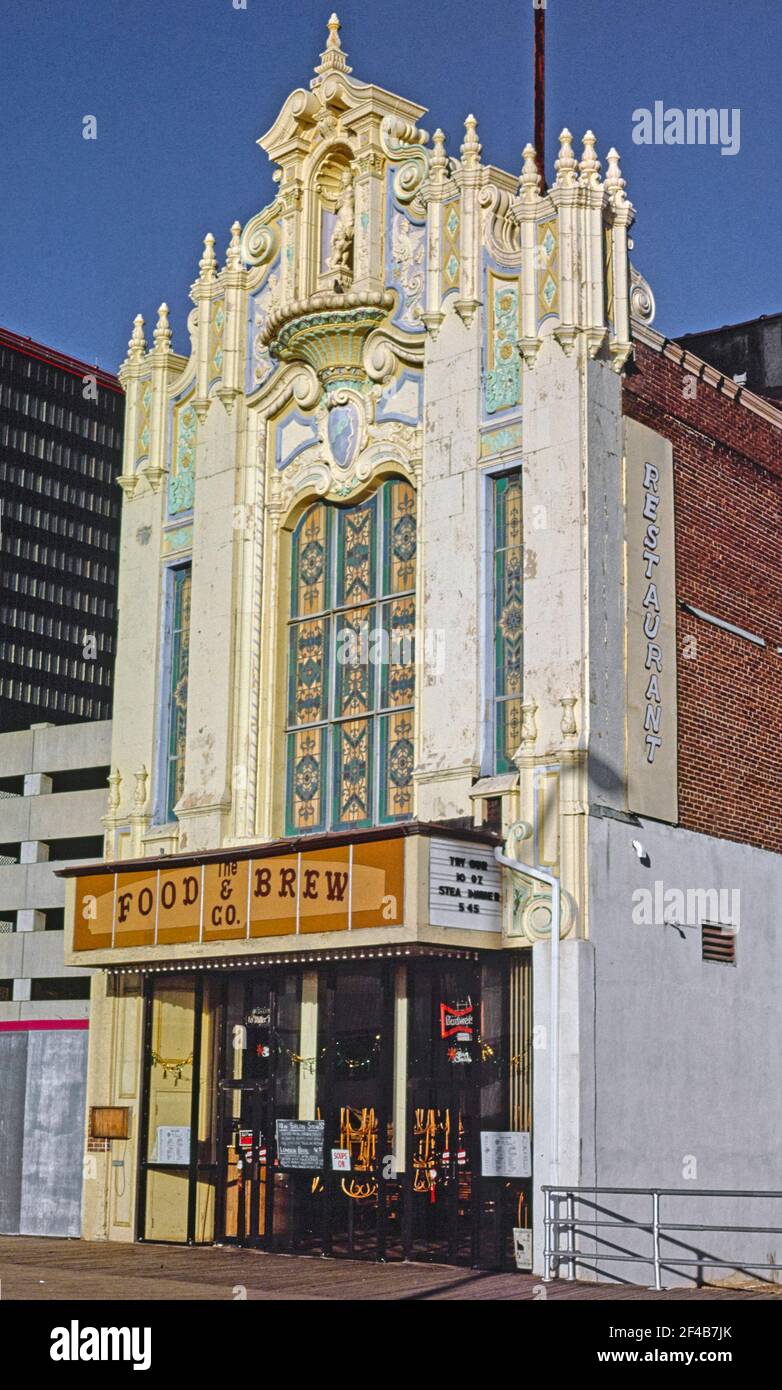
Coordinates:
464	886
300	1143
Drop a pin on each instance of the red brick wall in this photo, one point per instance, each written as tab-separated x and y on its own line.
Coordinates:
728	497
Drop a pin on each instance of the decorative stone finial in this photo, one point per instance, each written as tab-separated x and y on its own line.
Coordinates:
438	164
614	183
529	728
566	166
137	344
233	257
590	164
207	266
162	333
333	59
471	148
140	794
530	176
568	721
114	785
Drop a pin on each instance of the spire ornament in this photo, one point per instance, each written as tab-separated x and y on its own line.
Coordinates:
589	166
207	266
529	186
438	164
233	256
471	148
137	344
333	59
614	183
162	333
566	165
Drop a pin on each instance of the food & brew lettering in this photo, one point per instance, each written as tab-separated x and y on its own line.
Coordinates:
231	898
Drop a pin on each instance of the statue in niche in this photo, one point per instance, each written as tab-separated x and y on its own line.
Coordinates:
341	247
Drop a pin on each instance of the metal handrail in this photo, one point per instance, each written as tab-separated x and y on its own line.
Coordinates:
554	1255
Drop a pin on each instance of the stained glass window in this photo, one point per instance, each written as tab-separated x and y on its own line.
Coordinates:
177	691
508	619
351	663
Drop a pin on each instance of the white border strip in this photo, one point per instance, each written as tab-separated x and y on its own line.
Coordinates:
720	622
249	888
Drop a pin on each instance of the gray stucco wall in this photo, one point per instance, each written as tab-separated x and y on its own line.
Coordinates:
686	1052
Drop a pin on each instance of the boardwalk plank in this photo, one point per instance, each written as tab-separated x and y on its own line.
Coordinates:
41	1269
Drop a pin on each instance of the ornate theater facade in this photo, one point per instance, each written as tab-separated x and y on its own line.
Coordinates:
396	675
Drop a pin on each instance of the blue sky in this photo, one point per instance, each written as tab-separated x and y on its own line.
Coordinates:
95	231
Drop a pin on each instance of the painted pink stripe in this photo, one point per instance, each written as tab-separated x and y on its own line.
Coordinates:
30	1025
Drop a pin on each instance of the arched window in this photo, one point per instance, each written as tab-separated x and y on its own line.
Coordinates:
351	663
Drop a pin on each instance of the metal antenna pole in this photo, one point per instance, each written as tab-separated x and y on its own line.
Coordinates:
540	92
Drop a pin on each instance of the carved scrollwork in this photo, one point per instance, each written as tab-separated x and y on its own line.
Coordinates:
384	352
192	328
260	239
642	305
502	231
306	389
404	143
379	360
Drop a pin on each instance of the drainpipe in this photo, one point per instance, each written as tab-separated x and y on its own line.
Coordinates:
521	831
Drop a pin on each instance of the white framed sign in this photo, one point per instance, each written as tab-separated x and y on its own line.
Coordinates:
522	1247
506	1154
465	886
172	1145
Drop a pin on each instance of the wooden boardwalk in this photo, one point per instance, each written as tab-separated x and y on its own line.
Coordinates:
32	1268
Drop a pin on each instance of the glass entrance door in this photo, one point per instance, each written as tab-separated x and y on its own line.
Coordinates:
355	1082
459	1063
443	1114
257	1086
245	1142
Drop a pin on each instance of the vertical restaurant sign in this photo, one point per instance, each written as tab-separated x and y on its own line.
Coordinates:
342	888
464	885
651	725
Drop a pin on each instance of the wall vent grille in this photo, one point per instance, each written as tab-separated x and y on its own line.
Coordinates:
718	943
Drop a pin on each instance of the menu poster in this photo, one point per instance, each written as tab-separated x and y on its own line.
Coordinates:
506	1154
172	1145
300	1143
